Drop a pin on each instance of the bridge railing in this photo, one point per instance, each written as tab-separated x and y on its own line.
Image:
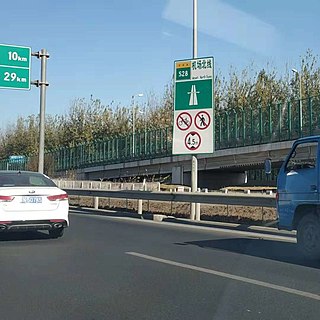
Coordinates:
280	122
6	164
147	145
233	128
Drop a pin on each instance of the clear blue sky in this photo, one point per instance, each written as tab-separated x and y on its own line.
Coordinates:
112	49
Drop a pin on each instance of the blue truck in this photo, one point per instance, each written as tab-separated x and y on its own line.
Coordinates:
298	195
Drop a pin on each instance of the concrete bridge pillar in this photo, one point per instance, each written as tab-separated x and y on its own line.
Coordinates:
177	175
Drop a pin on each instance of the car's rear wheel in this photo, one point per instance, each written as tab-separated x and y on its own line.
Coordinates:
56	233
308	236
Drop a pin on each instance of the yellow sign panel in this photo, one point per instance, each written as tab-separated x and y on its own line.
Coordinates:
183	64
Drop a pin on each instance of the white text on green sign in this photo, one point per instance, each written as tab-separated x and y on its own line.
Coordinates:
197	69
15	67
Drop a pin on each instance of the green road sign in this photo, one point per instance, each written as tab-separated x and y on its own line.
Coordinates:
193	95
15	67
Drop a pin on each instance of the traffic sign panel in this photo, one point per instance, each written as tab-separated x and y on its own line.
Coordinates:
14	78
15	67
193	96
184	121
183	70
206	135
192	141
202	120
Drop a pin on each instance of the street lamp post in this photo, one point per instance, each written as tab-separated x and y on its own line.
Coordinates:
300	97
144	112
133	110
145	127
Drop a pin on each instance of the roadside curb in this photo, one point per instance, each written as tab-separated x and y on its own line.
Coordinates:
252	230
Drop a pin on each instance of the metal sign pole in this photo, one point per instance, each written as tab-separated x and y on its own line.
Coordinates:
43	55
194	164
195	29
133	126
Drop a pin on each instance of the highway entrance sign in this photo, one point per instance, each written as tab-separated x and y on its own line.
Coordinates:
193	129
15	67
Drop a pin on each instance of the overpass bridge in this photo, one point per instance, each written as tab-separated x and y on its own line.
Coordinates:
244	138
222	168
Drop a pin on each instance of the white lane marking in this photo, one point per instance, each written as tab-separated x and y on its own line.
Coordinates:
229	276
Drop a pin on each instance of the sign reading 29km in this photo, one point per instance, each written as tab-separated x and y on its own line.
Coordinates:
193	106
15	67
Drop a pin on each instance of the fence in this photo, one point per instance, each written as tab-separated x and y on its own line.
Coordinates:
233	128
16	165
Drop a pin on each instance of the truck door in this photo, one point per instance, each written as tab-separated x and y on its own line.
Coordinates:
298	181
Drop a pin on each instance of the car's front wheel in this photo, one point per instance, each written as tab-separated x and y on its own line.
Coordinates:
308	236
56	233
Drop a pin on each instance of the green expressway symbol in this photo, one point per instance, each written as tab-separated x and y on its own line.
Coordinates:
193	95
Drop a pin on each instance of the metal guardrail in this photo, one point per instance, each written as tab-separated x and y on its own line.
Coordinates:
208	198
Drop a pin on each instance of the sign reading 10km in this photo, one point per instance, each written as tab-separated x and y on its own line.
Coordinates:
15	67
193	106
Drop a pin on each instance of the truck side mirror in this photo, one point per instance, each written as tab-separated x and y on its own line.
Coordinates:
267	166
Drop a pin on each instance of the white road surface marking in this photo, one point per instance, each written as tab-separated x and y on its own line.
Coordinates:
228	276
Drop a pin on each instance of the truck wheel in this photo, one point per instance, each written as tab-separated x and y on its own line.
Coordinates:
308	236
56	233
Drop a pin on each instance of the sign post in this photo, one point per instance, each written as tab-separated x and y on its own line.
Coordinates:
195	207
15	64
193	129
43	55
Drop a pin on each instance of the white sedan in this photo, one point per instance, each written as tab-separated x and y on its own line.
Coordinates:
32	201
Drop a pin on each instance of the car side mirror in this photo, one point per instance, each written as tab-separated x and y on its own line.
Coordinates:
267	166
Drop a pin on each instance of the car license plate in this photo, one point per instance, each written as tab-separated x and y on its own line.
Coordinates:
32	199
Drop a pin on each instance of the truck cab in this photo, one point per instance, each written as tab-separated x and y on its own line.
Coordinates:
298	203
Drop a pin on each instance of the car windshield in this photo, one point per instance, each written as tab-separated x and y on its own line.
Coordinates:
24	179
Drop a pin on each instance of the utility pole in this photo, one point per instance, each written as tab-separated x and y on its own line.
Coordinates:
134	114
299	74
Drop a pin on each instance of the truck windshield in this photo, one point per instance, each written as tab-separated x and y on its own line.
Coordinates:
303	157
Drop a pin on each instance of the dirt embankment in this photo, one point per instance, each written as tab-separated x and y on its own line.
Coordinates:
237	214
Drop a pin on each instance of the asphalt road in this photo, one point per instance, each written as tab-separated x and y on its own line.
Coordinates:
117	268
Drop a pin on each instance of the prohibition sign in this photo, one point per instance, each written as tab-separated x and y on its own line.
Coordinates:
192	140
184	121
202	120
